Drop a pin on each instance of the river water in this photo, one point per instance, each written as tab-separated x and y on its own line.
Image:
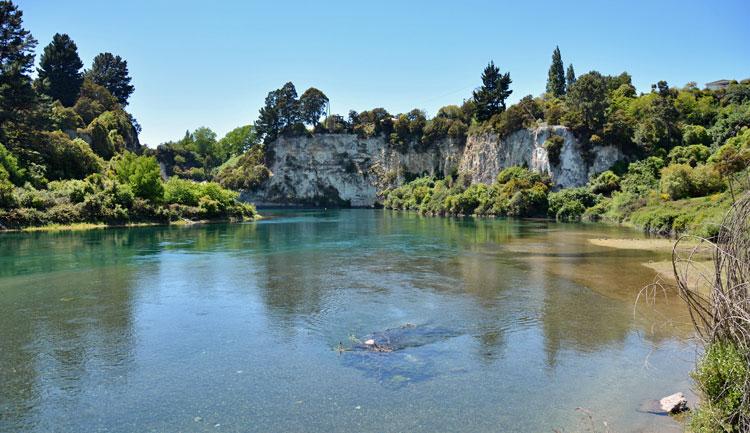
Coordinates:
483	325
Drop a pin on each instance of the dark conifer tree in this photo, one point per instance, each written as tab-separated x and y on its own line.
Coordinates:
556	75
490	98
16	60
111	72
570	76
59	72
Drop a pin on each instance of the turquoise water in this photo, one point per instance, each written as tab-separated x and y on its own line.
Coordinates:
490	325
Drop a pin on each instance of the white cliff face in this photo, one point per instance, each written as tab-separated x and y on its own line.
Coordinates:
343	169
486	155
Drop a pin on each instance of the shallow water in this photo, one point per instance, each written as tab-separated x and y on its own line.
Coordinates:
510	326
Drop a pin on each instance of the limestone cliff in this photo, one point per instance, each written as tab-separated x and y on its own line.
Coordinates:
486	155
343	169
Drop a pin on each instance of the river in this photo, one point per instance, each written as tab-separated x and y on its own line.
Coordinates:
487	325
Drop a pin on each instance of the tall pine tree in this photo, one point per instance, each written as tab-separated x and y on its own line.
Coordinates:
19	105
556	75
111	72
17	97
570	75
59	72
490	98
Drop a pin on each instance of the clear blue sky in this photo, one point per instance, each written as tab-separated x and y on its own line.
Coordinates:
211	63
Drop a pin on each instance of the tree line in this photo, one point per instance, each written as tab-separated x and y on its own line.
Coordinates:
69	150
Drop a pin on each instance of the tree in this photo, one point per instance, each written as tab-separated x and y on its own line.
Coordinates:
556	75
237	141
657	128
570	76
288	106
16	61
490	98
269	121
204	140
111	72
312	105
93	101
587	100
59	72
280	114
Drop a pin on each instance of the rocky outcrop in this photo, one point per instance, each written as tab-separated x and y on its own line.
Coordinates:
486	155
346	170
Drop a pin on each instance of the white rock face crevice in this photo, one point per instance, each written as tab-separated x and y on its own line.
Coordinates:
343	169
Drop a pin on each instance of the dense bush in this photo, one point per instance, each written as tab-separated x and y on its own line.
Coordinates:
141	173
720	376
69	159
111	199
692	155
247	171
517	192
680	181
642	176
570	204
605	183
695	134
734	156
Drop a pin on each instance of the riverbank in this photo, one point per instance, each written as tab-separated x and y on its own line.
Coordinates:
92	226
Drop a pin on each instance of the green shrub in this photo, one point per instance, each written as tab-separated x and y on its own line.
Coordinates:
605	183
181	191
65	213
597	211
570	212
246	172
692	155
529	202
473	197
730	121
570	203
734	156
695	135
520	174
7	198
524	114
721	376
65	118
680	181
642	176
73	190
9	164
141	173
23	217
69	159
32	198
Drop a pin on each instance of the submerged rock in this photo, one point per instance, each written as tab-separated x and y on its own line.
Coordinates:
399	356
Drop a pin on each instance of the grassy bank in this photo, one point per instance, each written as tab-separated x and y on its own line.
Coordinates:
92	226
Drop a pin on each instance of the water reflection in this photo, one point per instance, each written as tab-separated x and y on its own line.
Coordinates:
250	313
